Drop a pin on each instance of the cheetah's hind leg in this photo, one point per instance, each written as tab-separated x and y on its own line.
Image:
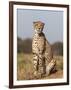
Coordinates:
51	66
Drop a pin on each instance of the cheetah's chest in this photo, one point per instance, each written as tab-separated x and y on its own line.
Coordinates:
38	43
38	40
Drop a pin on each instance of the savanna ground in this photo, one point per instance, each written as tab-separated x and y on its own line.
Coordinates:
25	67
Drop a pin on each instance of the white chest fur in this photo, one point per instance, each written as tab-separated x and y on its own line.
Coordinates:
38	43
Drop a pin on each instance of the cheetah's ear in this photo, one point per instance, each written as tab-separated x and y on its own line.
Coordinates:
43	23
34	22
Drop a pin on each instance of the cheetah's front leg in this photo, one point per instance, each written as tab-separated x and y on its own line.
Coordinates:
35	62
41	66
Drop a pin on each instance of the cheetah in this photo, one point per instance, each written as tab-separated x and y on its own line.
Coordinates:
42	52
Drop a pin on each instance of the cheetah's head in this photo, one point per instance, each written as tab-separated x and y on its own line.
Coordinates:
38	26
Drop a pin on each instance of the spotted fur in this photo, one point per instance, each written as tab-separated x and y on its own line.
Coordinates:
42	53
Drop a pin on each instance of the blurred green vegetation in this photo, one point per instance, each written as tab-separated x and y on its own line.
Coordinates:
25	46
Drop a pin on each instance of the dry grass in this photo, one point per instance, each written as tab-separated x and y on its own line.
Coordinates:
25	67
